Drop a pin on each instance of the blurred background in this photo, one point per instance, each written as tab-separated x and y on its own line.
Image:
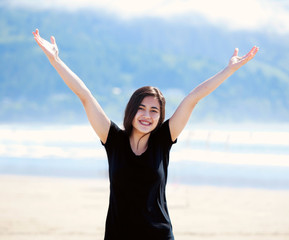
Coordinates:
237	136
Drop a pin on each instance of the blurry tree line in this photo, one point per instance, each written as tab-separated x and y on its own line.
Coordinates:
114	57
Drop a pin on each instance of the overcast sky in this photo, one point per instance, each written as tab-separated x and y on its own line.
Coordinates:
267	15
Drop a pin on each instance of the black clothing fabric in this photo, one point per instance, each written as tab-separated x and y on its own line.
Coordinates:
137	205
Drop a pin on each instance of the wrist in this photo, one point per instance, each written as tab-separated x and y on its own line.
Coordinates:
55	61
229	70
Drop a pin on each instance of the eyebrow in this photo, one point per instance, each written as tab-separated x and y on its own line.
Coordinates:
151	107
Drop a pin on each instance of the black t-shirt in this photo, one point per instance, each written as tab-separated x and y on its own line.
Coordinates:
137	205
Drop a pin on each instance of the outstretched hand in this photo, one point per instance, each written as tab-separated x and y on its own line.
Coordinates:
236	62
50	49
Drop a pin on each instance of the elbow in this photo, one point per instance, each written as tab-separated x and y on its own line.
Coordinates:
194	98
85	96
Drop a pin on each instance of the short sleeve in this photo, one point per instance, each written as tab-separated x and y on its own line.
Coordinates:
112	135
163	134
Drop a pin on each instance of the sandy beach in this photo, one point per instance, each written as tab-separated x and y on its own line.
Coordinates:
63	208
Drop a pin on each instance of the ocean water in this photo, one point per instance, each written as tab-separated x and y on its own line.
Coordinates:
234	156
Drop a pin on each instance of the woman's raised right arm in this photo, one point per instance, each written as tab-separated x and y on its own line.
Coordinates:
96	116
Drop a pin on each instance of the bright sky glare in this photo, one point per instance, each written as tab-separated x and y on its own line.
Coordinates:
269	15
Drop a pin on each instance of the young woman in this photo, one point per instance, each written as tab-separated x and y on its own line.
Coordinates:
138	156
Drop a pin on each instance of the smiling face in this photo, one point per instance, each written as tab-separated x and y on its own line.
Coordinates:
147	116
137	102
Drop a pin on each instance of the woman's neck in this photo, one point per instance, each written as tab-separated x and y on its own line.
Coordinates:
139	143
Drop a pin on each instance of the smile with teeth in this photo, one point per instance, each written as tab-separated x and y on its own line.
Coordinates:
144	122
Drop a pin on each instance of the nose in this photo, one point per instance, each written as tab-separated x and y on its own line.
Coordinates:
146	114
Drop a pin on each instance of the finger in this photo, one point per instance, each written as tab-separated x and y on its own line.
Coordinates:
253	51
236	51
256	50
52	39
250	53
36	34
38	41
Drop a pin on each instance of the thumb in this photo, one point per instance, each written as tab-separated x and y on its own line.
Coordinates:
52	39
236	52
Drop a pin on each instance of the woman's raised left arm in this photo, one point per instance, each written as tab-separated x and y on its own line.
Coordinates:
181	116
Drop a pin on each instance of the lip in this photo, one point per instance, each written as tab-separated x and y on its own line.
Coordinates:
145	122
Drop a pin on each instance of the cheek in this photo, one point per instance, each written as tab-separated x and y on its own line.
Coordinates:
136	115
155	116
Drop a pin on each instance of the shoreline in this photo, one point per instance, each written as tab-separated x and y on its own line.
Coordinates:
47	208
192	173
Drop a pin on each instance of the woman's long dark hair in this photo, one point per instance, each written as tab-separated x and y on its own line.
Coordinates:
135	101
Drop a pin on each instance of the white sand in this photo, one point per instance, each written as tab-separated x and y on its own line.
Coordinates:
58	208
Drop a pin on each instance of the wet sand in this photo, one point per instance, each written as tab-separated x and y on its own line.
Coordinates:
63	208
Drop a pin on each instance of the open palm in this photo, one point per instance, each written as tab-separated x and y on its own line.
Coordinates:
50	49
236	62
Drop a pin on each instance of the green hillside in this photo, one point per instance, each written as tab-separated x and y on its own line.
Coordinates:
114	57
